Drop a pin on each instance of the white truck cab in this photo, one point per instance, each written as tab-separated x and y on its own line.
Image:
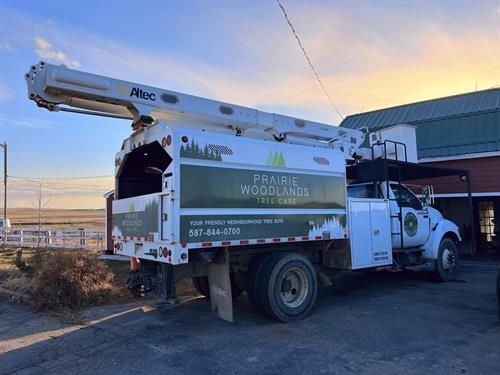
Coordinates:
419	232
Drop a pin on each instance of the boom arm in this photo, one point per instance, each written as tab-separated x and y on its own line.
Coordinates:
58	88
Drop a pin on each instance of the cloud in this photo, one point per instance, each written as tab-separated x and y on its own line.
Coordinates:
5	46
444	66
361	66
7	93
369	58
46	50
24	122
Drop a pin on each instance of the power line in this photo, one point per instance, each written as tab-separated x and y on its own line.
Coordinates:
61	178
308	59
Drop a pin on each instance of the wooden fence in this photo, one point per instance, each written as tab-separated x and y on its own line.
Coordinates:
52	237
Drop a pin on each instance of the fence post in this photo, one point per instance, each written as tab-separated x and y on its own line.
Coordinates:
48	241
82	238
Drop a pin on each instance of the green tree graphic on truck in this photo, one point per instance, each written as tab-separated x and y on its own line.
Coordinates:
193	150
275	159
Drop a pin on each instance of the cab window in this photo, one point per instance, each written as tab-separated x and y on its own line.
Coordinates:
405	197
361	191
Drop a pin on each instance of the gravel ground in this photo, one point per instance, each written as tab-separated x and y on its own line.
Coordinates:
389	323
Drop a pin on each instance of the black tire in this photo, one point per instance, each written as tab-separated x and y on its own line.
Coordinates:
446	265
288	286
201	285
255	270
498	294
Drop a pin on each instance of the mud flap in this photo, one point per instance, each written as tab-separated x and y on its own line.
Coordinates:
220	286
165	283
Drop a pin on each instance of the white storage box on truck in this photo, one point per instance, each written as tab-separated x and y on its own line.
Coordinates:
235	198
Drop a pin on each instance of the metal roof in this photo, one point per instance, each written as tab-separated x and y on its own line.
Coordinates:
454	125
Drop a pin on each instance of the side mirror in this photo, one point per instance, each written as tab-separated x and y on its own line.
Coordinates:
428	195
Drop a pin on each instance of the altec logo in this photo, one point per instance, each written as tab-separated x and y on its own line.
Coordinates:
141	94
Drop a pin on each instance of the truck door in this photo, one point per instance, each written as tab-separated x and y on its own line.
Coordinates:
416	222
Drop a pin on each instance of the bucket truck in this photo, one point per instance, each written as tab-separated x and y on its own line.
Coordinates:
242	200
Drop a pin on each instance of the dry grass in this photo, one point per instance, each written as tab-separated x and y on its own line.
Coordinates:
68	279
12	281
61	280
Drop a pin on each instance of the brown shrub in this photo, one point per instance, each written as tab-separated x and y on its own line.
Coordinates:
68	279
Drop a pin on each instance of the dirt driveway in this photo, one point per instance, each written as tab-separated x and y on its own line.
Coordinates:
367	323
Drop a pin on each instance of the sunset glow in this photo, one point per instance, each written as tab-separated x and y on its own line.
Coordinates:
370	55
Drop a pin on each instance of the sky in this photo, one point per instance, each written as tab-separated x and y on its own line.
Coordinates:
369	54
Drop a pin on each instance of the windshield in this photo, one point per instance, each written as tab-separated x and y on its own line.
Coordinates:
405	197
361	191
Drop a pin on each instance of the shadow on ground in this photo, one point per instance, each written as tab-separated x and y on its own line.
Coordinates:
366	323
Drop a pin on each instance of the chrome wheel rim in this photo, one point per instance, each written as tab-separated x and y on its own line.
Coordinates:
448	260
293	287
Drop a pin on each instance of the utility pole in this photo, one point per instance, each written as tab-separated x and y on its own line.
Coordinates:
4	146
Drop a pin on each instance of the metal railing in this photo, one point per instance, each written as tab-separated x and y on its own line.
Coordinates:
52	237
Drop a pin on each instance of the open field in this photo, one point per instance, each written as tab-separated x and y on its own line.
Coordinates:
390	323
57	218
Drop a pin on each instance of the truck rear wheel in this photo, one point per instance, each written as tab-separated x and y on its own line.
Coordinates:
200	283
255	270
446	267
287	286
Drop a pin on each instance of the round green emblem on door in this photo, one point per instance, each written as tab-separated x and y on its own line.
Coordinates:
411	224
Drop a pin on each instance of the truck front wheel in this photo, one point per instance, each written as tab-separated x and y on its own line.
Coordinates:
446	267
288	286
